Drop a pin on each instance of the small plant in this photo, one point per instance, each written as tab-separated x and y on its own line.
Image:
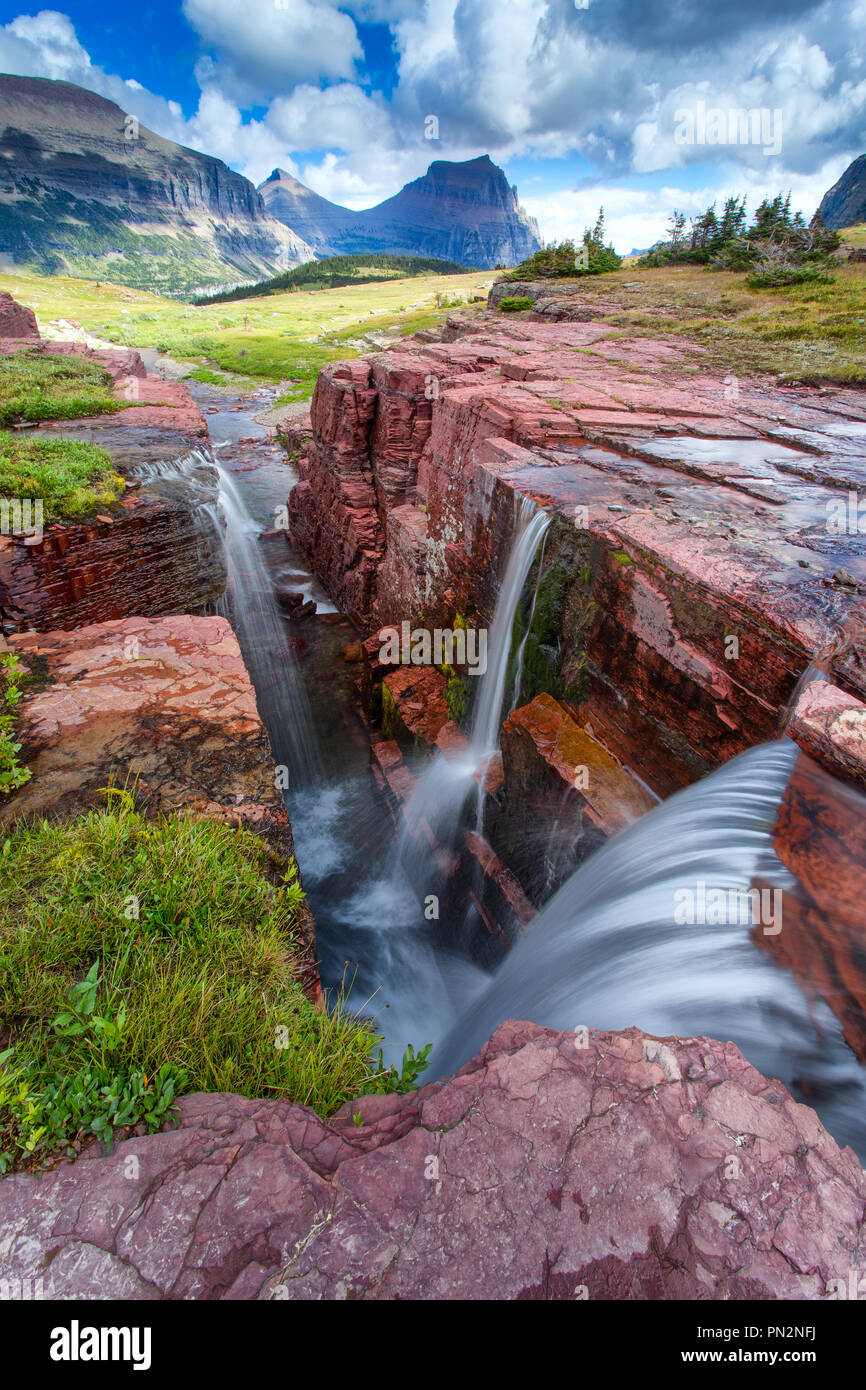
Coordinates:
389	1080
456	698
12	773
515	304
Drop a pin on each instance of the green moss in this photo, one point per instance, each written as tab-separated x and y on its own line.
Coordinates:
457	698
390	715
70	478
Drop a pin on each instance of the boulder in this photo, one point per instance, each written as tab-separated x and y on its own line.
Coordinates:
562	1166
16	320
167	701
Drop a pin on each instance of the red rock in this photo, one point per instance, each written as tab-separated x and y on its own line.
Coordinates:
532	1151
564	795
167	698
820	835
830	724
16	321
150	557
415	708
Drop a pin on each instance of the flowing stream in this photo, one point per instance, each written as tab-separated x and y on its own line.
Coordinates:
607	950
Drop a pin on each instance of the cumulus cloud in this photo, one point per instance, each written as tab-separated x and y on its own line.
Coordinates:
255	51
604	80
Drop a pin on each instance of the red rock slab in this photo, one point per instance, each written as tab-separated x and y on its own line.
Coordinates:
16	320
830	724
167	700
820	836
419	704
598	1172
510	904
612	796
564	794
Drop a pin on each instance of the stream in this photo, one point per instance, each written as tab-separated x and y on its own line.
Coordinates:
604	951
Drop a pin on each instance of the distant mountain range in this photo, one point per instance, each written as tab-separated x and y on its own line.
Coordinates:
83	191
844	204
466	212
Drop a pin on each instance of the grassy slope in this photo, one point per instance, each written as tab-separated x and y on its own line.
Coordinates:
810	333
191	943
70	477
283	337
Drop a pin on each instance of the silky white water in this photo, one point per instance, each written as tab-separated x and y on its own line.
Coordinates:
608	952
443	791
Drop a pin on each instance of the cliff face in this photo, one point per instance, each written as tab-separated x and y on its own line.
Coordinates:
323	225
83	188
674	528
465	212
844	204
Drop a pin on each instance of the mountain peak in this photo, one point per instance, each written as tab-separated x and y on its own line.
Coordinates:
459	210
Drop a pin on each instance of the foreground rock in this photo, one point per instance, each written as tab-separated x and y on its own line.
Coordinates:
16	320
166	701
631	1168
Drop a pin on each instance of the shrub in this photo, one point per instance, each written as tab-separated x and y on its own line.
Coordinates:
514	304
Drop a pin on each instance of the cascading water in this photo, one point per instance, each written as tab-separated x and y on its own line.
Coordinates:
607	950
251	604
442	792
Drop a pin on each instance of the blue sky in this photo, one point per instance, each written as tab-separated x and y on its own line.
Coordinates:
581	101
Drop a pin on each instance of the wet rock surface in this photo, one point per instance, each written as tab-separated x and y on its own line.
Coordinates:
165	701
564	794
820	836
698	528
629	1167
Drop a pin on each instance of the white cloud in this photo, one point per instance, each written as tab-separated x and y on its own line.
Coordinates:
340	117
257	50
43	45
638	217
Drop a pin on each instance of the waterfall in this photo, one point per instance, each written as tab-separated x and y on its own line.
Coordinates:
442	793
531	525
251	605
608	950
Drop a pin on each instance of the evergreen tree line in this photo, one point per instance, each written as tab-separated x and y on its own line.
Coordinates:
333	272
777	246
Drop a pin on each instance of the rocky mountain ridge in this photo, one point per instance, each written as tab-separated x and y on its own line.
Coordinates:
86	189
459	211
844	204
